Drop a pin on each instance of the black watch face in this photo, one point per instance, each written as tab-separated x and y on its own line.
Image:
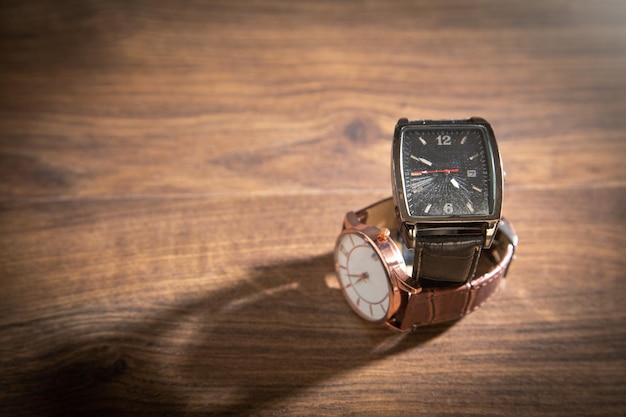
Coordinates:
446	171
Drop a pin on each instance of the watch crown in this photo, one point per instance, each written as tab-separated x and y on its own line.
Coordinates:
383	235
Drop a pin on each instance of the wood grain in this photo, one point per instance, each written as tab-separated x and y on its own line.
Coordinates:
173	178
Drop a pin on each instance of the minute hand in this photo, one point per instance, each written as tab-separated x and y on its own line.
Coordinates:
434	171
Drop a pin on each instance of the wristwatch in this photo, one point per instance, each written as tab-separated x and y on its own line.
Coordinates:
447	182
373	274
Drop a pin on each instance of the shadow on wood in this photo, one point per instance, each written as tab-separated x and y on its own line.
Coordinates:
234	351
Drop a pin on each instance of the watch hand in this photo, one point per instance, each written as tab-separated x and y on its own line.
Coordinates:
422	160
434	171
362	277
454	182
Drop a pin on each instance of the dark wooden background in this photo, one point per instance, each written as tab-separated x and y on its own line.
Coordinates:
173	176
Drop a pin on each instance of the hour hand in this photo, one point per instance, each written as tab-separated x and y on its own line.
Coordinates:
422	160
360	277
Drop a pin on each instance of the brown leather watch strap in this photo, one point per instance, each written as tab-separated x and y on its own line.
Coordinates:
431	305
437	305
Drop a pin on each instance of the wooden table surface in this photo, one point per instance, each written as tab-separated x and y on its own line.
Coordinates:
173	177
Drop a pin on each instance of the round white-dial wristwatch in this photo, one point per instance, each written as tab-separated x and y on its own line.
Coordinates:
365	275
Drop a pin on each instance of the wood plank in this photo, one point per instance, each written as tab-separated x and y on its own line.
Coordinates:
127	114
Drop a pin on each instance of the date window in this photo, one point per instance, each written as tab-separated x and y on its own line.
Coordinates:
471	173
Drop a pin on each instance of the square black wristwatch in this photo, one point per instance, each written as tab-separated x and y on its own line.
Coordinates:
447	188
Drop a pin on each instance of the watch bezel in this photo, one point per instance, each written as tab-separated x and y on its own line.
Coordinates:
495	162
392	261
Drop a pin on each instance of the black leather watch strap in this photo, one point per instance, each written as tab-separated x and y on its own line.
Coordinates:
446	259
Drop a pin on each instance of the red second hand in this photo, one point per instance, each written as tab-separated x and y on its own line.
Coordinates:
434	171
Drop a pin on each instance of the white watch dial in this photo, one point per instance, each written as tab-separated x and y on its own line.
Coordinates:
363	276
